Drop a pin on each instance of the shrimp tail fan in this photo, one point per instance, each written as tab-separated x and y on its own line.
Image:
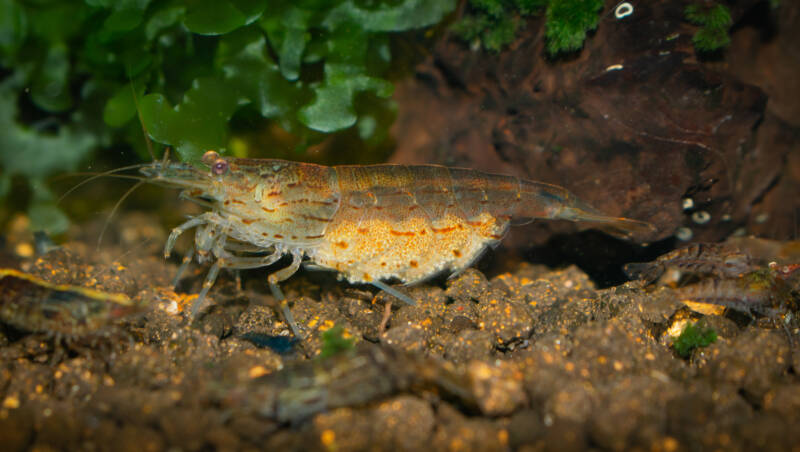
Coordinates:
616	226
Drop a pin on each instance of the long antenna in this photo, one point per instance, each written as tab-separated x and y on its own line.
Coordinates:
114	210
142	181
109	173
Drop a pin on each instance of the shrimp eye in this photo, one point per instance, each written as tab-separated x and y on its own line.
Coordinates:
219	167
210	157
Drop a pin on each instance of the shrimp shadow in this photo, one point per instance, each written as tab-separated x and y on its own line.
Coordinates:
599	255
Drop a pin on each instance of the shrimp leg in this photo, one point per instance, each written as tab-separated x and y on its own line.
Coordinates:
394	292
233	262
207	240
178	230
281	275
187	258
246	263
213	272
247	248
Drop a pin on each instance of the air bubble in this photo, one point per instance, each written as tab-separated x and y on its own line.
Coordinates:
684	234
701	217
623	10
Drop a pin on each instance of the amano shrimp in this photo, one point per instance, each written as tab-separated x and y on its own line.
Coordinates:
371	224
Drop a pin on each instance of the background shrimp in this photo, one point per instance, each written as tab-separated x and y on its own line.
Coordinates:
371	224
735	275
699	258
65	313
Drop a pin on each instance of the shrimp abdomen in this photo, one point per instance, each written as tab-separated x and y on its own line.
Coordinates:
510	198
406	222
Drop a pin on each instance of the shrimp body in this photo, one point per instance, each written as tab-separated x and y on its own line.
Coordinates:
411	222
32	304
369	223
699	258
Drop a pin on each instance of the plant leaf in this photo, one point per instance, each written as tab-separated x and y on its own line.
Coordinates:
46	216
26	152
216	17
13	27
126	15
332	108
405	15
49	90
198	123
121	107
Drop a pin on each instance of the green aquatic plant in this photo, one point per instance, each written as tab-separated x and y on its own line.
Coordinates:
85	69
568	21
304	64
694	335
493	24
715	21
34	154
334	342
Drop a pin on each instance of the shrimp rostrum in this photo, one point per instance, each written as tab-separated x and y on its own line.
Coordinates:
371	224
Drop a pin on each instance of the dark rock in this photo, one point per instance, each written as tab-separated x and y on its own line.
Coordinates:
185	428
408	337
525	427
632	124
753	362
456	431
470	285
403	423
497	389
508	322
468	345
16	429
633	411
132	439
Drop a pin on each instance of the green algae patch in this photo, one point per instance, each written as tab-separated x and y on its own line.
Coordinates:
715	21
694	335
493	24
335	341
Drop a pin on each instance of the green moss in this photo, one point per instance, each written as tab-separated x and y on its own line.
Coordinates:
493	24
334	342
760	279
715	21
568	21
694	335
530	6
